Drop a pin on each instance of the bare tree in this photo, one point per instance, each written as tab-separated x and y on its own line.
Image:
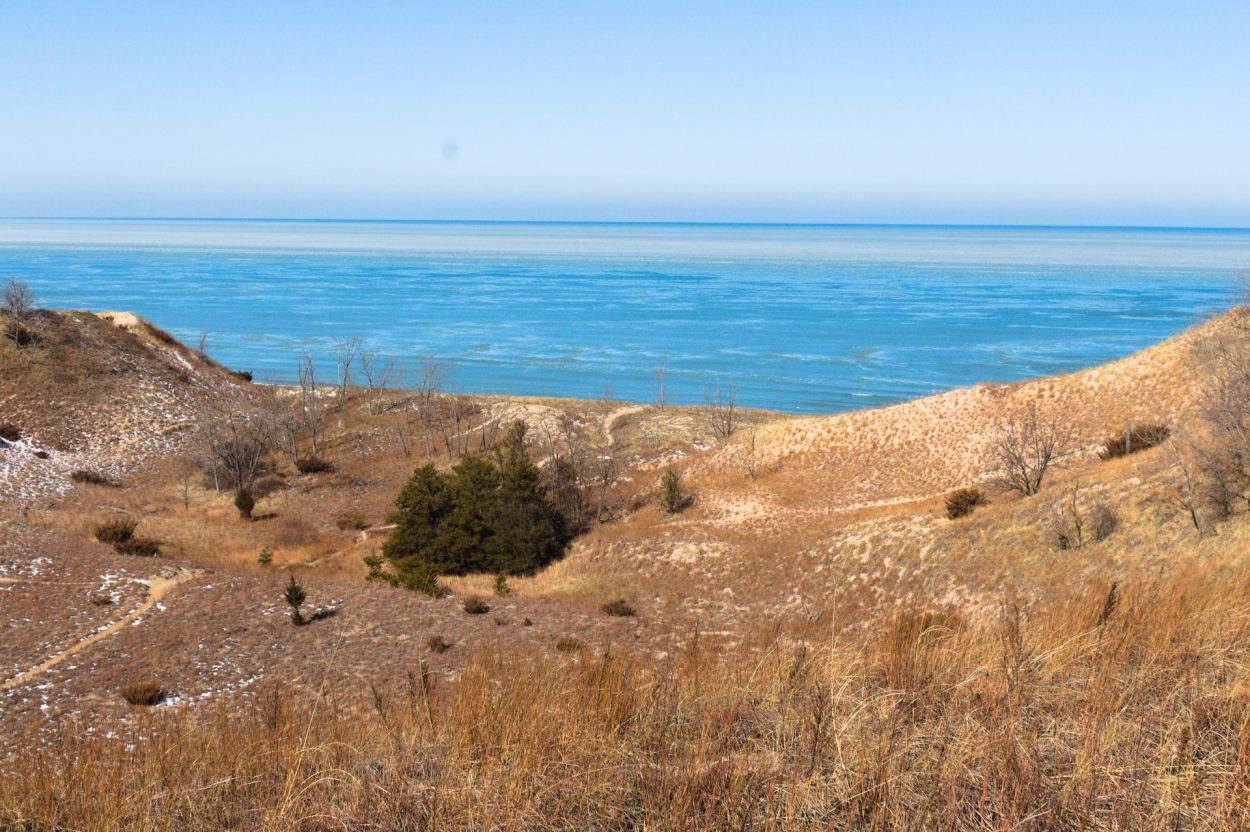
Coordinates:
18	299
380	374
312	406
431	379
1081	520
720	411
1187	495
201	344
281	419
458	421
236	444
345	352
567	465
752	464
661	386
606	469
1025	448
1223	459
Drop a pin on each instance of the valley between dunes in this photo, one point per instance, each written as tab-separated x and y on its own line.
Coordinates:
816	643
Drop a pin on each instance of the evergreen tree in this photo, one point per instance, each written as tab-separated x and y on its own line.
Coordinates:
490	513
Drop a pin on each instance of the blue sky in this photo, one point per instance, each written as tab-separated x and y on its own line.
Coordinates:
1006	112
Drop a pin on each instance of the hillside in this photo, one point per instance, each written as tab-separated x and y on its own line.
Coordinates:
806	540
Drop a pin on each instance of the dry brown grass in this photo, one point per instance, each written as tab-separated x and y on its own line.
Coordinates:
817	646
1051	717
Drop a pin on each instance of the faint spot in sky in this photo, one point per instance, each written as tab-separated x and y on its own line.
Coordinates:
451	149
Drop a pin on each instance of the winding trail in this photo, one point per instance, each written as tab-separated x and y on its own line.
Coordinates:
158	586
609	421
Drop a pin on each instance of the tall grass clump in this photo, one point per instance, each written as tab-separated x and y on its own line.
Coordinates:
1112	709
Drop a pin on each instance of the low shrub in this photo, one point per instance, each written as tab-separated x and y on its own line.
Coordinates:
10	432
1081	522
964	501
1136	438
672	494
21	335
116	531
438	644
474	605
85	477
313	465
619	608
244	376
265	558
355	521
146	693
568	644
141	547
42	455
501	586
100	599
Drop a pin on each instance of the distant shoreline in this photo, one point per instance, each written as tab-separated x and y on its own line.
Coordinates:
1219	229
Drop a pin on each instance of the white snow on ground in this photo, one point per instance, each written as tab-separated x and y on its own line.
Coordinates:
156	418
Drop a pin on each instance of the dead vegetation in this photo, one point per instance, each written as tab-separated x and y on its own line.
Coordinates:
146	693
1134	439
963	501
809	645
1118	709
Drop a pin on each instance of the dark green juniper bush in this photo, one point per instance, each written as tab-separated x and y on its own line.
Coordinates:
490	513
295	596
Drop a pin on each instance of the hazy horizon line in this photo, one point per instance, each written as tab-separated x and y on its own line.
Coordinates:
729	223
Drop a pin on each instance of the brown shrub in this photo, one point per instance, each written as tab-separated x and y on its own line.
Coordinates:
1136	438
568	644
964	501
244	376
355	521
85	477
619	608
120	534
146	693
10	432
116	531
141	547
474	605
673	497
313	465
438	644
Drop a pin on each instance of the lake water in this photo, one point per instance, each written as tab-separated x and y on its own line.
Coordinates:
803	319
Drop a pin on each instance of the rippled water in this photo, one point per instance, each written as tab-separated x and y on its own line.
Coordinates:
797	318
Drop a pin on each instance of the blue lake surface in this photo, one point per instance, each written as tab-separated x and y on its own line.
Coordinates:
804	319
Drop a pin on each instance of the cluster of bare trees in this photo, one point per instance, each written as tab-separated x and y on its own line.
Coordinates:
1212	459
236	444
1210	456
581	473
720	411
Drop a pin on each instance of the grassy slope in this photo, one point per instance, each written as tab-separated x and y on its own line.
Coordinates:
817	644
